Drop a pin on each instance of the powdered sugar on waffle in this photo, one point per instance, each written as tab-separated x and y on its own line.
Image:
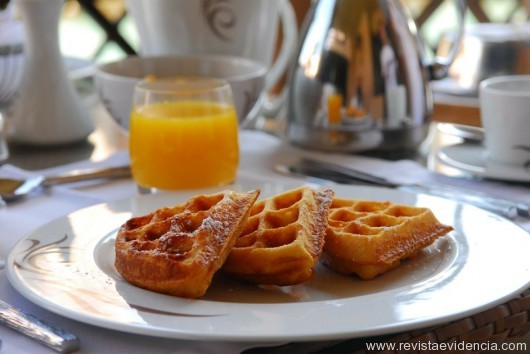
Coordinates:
324	199
215	227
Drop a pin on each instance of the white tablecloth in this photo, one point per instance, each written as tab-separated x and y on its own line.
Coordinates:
259	153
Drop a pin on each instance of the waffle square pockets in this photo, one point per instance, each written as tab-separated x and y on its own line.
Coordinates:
177	250
369	238
282	239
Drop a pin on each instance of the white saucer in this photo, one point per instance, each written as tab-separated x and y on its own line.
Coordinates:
472	158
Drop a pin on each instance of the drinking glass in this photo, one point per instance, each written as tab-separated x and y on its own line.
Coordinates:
183	134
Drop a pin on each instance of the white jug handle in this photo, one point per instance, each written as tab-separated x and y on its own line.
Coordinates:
272	105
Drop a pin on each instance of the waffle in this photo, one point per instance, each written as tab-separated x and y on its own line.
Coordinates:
283	238
177	250
369	238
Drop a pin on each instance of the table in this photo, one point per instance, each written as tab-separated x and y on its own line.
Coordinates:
107	139
456	109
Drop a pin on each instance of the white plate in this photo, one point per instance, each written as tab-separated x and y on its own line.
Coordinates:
472	158
67	267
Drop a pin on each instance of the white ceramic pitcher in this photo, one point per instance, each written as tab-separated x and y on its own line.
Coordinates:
48	110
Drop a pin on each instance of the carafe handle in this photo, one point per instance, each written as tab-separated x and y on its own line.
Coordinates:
439	68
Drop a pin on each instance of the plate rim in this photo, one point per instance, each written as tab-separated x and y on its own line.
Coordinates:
15	280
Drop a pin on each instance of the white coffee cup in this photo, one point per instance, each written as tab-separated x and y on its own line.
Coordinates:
245	28
505	115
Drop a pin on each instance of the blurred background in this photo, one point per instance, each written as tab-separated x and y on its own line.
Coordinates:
101	30
98	31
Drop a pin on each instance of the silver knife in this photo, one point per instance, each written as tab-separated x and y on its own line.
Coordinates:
53	337
341	174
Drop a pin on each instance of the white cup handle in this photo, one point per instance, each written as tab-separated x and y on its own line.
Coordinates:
272	105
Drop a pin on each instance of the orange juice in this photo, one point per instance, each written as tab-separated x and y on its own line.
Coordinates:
182	145
334	107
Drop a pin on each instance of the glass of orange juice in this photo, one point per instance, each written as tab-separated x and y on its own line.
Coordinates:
183	134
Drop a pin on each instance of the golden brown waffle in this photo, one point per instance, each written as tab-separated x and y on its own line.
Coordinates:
177	250
283	238
370	238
